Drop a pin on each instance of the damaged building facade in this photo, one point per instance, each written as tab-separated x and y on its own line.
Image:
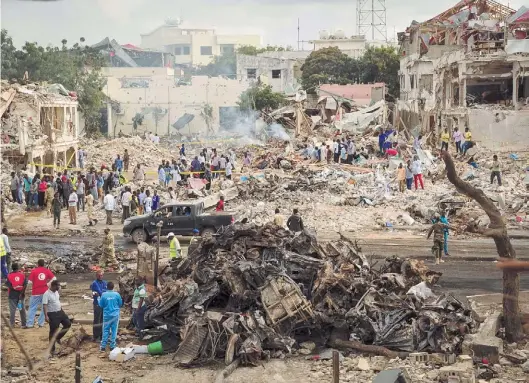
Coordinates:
155	99
40	128
467	68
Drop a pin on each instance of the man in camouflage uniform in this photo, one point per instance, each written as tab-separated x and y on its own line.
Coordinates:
437	229
109	257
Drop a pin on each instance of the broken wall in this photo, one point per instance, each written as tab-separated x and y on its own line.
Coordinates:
163	102
499	129
277	72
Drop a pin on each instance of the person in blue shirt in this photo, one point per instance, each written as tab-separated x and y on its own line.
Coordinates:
98	287
155	200
111	303
381	139
182	150
118	163
444	220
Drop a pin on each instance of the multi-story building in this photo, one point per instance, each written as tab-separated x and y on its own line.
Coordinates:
40	129
467	68
194	46
155	96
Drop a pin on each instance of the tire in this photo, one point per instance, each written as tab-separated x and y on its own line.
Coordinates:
139	235
208	232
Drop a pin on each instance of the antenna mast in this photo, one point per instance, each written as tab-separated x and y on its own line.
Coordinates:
371	19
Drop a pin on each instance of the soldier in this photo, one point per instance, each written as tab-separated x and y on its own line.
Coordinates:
108	258
48	198
438	229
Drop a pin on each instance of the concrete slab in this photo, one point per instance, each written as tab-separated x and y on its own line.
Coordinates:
485	344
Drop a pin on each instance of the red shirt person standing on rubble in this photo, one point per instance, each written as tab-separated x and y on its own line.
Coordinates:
220	204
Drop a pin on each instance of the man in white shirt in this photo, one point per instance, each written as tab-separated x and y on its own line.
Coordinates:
156	139
201	158
336	150
72	207
125	203
229	168
109	204
417	172
175	175
54	314
147	202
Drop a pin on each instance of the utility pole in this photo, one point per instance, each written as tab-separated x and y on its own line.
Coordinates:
298	33
156	263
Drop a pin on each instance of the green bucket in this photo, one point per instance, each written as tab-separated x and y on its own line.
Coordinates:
155	348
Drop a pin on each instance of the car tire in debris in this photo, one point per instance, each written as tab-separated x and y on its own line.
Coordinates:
139	235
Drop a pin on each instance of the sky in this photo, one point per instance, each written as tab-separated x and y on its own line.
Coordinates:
48	22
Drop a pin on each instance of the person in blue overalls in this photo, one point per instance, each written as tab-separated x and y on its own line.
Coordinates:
443	219
111	302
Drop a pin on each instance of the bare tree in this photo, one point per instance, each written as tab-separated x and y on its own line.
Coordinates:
497	230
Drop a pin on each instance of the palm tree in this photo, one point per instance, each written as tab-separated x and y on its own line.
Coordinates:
82	39
64	42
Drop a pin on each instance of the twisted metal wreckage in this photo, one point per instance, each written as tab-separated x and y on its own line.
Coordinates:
250	291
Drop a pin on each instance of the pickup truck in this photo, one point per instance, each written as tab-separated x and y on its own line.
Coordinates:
177	218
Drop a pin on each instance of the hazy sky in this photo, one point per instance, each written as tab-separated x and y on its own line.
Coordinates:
275	20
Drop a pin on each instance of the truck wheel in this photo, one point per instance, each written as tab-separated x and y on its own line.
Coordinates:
207	232
139	235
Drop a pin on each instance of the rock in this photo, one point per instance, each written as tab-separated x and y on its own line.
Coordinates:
505	362
485	344
308	345
432	375
304	351
525	367
285	164
327	355
363	365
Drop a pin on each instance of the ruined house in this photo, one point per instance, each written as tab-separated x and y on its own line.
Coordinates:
466	67
39	127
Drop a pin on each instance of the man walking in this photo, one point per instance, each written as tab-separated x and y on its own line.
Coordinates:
109	203
110	302
80	193
98	287
457	136
495	170
72	206
444	220
294	222
438	229
278	218
15	184
56	206
108	258
16	287
126	160
417	172
54	314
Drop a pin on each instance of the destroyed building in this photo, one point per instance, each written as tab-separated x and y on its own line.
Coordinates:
40	126
466	67
129	55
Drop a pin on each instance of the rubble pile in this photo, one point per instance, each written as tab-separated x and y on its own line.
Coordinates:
141	151
253	289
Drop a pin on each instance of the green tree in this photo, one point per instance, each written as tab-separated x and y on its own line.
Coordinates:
381	64
261	97
77	69
223	65
251	50
327	66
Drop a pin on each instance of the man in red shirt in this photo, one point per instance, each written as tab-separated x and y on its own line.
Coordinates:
220	204
16	285
39	278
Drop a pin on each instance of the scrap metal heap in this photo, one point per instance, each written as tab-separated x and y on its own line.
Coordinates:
253	289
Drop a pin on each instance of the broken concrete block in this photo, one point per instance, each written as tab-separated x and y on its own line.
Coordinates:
442	359
308	345
457	373
396	375
485	344
418	357
363	364
525	367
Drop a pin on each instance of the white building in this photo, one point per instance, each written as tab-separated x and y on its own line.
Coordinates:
155	94
194	46
353	46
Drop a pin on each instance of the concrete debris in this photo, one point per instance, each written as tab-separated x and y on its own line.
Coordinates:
264	282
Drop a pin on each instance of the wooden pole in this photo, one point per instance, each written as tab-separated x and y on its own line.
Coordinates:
77	367
156	263
335	367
